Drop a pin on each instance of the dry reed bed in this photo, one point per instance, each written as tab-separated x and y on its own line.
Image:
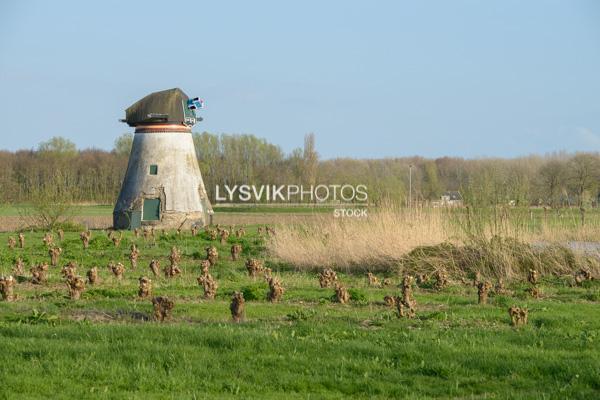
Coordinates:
425	241
369	243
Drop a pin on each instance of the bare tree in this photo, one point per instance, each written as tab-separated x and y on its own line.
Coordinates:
310	160
551	179
584	171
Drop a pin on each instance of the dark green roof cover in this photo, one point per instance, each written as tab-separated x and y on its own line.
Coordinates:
166	106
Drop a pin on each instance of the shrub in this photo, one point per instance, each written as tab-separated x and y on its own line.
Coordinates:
357	295
254	292
301	314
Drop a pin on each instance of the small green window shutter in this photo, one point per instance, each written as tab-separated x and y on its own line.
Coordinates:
153	169
151	210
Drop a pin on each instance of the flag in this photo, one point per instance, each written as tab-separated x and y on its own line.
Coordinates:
195	103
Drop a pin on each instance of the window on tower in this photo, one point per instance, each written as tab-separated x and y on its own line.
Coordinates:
154	169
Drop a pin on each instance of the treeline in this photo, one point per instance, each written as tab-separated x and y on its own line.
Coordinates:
57	169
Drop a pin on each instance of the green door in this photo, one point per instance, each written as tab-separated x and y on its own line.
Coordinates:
151	210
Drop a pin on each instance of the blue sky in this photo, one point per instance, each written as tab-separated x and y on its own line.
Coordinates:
370	79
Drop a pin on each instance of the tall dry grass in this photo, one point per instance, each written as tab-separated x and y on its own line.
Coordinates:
495	243
370	243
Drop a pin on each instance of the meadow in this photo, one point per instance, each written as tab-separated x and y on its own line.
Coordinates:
107	345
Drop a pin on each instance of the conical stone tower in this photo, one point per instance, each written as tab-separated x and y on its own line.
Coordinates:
163	186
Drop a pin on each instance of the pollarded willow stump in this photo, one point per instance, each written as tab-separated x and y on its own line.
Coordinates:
194	230
54	253
342	295
236	250
69	270
372	280
155	267
237	307
533	277
18	268
327	278
76	286
483	288
441	279
145	287
162	307
39	274
209	285
267	272
175	256
7	284
61	235
254	267
172	270
11	243
117	270
92	276
518	315
212	234
117	240
48	239
133	256
422	279
406	305
21	240
583	275
500	288
224	236
535	292
390	301
403	311
240	233
275	289
204	266
212	255
85	238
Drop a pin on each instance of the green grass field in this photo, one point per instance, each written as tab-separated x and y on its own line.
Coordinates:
105	345
83	210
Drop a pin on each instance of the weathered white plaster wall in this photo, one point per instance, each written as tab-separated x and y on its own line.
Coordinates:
178	182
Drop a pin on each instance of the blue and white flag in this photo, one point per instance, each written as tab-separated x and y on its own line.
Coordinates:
195	103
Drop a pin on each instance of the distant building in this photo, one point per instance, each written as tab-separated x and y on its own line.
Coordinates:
451	198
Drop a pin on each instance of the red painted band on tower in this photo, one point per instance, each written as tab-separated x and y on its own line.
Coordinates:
162	128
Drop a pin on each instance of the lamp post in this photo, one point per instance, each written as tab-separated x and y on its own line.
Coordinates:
410	186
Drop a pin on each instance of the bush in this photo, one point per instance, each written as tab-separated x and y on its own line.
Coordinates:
357	295
254	292
70	226
301	314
